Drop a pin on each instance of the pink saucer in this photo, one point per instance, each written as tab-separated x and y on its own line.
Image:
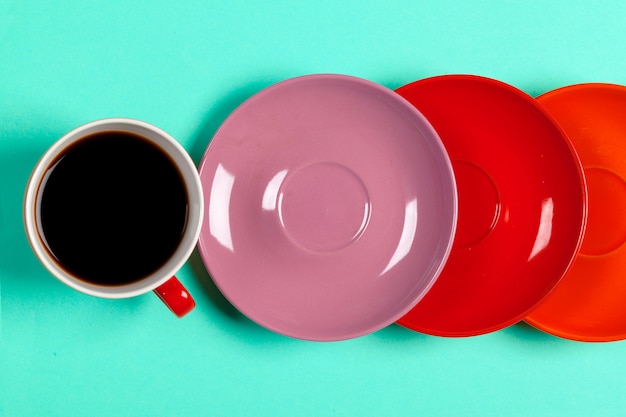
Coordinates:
330	207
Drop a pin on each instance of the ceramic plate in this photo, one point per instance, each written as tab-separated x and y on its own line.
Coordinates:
589	304
522	204
330	207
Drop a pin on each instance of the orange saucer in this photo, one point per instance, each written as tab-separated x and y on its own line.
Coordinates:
590	302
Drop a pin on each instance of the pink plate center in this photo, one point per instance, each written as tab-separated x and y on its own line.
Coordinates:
323	206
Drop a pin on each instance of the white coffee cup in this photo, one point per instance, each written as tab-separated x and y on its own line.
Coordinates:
162	281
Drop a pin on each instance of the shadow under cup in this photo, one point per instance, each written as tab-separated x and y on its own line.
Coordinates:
114	209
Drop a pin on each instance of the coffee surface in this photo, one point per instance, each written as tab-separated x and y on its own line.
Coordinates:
112	208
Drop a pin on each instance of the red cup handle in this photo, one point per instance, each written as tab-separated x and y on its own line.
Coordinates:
175	297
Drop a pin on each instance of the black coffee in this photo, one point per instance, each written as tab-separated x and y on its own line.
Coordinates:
112	208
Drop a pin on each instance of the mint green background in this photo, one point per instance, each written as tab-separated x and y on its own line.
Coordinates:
184	66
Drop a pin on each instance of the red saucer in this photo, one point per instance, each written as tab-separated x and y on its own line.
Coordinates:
589	304
522	204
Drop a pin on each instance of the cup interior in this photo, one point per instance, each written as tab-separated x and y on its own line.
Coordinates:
189	176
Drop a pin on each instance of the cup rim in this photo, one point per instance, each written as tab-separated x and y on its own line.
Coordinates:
188	171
